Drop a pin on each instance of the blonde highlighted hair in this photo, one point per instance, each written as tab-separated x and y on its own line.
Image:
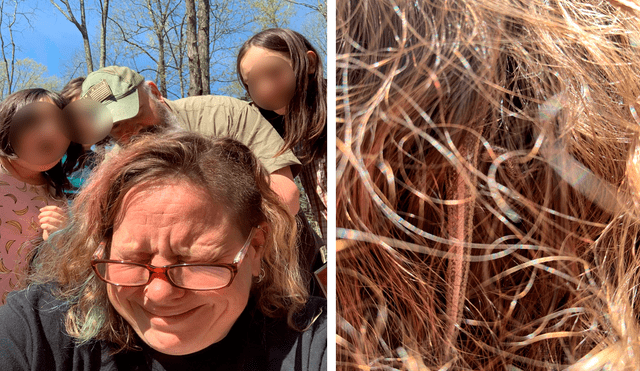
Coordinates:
486	184
226	170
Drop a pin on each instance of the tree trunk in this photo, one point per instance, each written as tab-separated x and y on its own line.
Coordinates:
195	77
159	19
87	52
9	64
162	70
103	33
85	38
204	8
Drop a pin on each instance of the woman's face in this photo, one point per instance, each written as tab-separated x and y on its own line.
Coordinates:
38	136
179	223
270	78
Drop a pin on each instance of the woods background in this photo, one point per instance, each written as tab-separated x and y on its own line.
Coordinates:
188	47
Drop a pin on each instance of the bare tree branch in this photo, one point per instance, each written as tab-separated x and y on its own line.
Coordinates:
104	6
81	26
320	8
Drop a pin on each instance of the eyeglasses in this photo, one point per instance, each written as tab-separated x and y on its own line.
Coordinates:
199	276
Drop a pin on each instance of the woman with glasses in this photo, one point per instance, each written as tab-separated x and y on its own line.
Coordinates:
177	255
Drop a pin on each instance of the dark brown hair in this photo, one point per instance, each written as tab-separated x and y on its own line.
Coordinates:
306	119
73	89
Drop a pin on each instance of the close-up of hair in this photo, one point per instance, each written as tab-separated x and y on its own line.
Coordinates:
488	163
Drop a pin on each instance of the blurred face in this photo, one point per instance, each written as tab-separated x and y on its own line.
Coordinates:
38	136
270	78
88	121
178	223
148	116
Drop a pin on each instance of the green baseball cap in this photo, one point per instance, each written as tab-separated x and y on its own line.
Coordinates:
116	88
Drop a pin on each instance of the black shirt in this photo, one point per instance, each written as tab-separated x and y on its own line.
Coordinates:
33	337
276	120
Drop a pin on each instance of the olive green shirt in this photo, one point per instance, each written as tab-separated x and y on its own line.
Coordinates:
222	116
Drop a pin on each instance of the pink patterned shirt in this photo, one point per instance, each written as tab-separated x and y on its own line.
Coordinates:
20	205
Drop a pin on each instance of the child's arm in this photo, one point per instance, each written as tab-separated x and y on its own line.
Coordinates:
51	218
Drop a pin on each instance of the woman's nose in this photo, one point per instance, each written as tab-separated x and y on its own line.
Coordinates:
160	289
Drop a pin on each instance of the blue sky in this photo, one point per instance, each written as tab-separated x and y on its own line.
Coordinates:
52	39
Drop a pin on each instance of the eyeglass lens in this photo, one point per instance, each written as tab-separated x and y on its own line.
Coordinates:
191	277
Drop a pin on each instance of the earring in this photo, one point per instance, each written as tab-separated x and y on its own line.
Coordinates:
262	274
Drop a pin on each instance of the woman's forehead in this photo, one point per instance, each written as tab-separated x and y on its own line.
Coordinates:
175	199
177	211
167	188
204	244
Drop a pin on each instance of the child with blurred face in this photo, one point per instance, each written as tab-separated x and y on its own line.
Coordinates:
33	141
282	74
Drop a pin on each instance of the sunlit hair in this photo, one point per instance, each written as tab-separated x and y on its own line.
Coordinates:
306	118
487	185
55	177
225	169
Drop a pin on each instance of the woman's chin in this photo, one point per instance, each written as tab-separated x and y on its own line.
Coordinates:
170	344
